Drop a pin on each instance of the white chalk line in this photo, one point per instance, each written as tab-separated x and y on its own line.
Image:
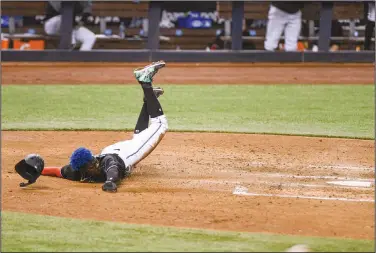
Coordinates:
302	197
240	190
283	184
282	175
363	184
194	182
341	167
325	186
314	166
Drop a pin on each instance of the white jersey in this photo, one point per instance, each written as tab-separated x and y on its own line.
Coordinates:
141	145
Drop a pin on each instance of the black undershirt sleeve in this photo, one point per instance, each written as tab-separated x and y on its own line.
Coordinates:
112	168
68	173
112	174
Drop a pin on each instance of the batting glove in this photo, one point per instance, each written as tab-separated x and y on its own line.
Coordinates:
109	186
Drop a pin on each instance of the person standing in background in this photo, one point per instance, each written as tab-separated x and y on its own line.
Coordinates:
283	17
80	33
370	26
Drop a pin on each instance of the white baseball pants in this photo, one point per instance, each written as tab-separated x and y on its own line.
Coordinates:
81	34
279	22
142	144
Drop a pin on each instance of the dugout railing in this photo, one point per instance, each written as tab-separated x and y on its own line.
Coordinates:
152	51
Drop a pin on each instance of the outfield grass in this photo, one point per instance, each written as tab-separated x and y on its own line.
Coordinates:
325	110
29	232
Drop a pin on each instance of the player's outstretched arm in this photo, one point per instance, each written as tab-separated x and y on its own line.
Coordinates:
113	173
52	171
63	172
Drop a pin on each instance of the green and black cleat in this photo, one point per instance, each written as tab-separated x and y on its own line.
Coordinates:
147	73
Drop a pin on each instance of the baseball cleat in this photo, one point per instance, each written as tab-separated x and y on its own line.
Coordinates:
146	73
158	91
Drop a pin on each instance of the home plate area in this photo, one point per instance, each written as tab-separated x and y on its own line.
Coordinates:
317	187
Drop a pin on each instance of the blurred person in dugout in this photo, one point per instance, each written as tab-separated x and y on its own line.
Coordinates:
80	34
283	17
219	43
370	27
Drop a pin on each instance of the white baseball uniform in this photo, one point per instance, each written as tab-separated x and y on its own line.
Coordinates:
80	33
141	145
278	22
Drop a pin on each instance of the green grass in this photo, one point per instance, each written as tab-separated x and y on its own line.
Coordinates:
323	110
29	232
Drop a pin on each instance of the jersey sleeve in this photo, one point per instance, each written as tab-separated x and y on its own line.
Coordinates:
112	168
68	173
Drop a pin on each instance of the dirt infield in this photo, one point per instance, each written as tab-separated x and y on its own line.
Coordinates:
189	180
97	73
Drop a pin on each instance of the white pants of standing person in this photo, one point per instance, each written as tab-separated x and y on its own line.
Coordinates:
79	34
279	22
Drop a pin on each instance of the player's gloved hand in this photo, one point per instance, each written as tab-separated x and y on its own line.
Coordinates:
109	186
28	183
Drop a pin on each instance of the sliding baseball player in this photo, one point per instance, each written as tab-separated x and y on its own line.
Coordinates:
116	161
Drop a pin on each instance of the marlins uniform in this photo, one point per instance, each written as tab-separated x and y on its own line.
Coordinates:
117	160
283	17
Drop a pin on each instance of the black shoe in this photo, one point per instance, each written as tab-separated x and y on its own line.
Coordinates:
158	91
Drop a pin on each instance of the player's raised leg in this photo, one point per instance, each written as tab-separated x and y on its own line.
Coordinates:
143	118
145	77
150	70
146	140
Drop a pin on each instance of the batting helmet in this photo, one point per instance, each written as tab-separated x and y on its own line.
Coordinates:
30	168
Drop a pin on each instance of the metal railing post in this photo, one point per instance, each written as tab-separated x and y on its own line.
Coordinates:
66	24
326	14
237	25
154	15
